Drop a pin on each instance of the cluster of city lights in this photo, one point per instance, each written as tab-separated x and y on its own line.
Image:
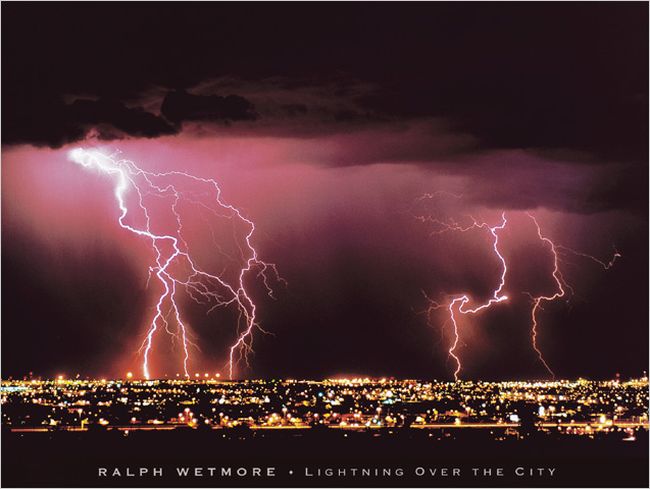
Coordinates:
579	407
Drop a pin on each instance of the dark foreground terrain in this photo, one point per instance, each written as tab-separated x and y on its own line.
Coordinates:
319	458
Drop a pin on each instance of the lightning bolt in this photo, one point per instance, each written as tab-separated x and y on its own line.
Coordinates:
174	266
606	265
561	284
460	304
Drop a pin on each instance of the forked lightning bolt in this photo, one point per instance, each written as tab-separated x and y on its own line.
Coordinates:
174	265
537	300
561	284
460	303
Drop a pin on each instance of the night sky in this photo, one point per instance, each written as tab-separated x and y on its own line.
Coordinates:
324	123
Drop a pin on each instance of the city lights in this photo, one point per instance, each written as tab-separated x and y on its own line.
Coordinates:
564	407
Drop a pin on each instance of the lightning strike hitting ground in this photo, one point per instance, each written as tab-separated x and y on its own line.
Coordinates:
459	303
175	266
560	282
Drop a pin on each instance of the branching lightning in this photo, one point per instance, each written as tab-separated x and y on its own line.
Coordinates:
560	282
537	300
461	304
174	266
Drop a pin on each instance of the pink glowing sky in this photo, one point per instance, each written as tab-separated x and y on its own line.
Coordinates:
335	202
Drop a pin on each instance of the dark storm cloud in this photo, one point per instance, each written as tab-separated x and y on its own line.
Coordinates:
56	123
546	76
179	106
438	85
529	114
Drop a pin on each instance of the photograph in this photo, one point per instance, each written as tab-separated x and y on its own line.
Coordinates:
324	244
